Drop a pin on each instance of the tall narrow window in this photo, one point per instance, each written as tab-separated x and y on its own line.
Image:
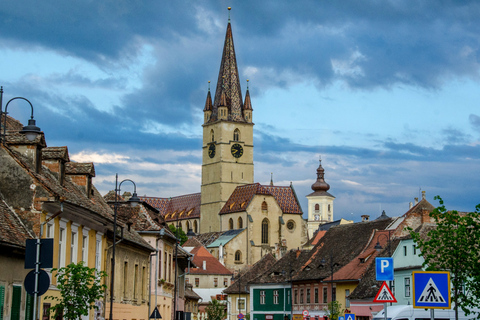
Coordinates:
308	295
61	248
195	226
238	256
241	304
405	251
144	282
165	263
230	224
347	299
73	248
301	296
315	295
98	254
215	282
325	295
85	248
159	265
317	208
334	293
212	135
125	279
236	135
275	296
240	223
197	282
265	231
264	207
262	297
295	296
170	268
407	286
135	282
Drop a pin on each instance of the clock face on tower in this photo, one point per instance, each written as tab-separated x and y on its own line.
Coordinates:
237	150
211	151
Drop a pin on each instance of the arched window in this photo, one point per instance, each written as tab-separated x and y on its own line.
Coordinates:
264	207
329	208
240	223
195	226
236	135
212	135
230	224
317	208
238	256
188	226
265	231
180	225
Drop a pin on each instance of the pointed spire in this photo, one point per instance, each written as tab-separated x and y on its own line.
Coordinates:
271	178
248	104
320	184
208	102
228	81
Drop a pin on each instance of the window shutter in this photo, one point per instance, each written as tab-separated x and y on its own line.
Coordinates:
16	302
2	299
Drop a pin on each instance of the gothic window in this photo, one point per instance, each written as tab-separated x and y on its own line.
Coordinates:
236	135
195	226
238	256
188	225
230	224
240	223
265	231
212	135
317	208
264	207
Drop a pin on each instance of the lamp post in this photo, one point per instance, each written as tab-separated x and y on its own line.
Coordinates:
31	130
378	247
133	201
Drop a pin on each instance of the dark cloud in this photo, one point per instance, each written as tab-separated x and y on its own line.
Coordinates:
475	121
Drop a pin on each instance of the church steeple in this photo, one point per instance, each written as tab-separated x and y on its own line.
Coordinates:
208	105
229	82
320	185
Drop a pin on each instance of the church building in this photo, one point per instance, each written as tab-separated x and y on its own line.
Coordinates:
237	220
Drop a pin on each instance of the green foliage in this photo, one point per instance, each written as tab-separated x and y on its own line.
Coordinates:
333	310
181	234
454	245
80	286
216	311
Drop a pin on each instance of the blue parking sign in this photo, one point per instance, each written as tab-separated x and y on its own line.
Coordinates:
384	269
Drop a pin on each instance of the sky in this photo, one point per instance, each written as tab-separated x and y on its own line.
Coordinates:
386	93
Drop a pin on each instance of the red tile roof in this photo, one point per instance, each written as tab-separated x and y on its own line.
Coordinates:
243	195
213	266
181	207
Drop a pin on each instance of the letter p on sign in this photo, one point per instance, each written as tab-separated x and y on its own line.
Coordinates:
384	269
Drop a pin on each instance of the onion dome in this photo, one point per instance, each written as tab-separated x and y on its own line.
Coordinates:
320	185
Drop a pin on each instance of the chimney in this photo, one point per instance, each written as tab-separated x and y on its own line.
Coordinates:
54	158
423	195
365	217
32	150
416	201
410	205
81	174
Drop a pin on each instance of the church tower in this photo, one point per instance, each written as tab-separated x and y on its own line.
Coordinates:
227	158
320	203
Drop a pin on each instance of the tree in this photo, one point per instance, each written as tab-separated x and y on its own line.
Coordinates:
333	310
216	311
181	234
454	245
80	286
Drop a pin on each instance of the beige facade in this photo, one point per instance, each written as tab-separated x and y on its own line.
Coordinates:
222	172
320	211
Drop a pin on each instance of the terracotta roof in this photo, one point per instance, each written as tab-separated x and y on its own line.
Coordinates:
13	232
242	280
243	195
192	242
344	243
213	266
316	237
180	207
284	269
55	153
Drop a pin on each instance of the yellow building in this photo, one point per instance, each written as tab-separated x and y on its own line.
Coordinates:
55	198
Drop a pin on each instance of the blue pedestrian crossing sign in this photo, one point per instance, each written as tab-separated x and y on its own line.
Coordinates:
349	316
431	289
384	269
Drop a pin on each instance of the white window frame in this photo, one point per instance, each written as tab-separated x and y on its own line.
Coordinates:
85	242
241	301
275	296
74	243
62	243
98	252
407	287
262	296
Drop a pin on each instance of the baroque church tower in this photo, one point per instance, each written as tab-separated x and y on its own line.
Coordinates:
227	158
320	203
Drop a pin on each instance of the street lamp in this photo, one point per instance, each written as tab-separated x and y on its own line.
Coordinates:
31	130
133	201
378	247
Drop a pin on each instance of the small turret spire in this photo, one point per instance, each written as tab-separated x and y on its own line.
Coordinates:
320	184
229	8
271	178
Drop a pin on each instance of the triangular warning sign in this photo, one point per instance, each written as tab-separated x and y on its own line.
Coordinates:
384	294
431	294
156	314
350	318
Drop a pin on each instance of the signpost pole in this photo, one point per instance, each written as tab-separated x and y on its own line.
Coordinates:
385	308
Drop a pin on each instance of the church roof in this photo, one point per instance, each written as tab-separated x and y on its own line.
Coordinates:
181	207
243	195
228	83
